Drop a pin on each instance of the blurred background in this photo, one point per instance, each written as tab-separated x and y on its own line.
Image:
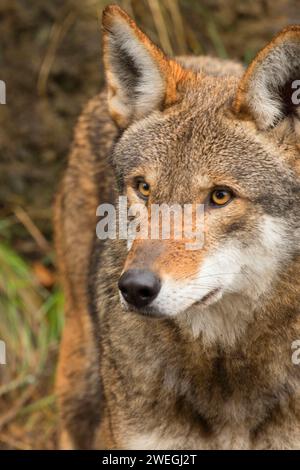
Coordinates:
50	60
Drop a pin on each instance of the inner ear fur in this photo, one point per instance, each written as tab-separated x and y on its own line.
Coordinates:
140	78
269	90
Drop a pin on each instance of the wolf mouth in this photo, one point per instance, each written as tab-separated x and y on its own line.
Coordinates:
208	297
153	312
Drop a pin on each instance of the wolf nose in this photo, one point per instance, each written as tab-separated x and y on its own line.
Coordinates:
139	287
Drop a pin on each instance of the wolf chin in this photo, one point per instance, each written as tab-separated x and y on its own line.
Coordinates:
163	347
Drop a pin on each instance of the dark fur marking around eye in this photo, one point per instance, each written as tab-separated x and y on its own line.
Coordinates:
235	227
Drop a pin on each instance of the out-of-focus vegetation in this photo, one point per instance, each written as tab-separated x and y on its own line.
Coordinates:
31	324
50	59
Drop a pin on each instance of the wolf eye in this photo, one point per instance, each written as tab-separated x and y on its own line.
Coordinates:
221	197
143	188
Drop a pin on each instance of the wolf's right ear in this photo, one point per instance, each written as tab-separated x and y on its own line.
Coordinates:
139	76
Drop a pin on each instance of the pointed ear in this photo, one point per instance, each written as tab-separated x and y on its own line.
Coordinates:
139	76
269	90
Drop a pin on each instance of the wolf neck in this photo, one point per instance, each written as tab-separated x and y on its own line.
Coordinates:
228	321
224	322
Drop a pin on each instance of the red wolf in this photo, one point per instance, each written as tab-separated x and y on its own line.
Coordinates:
164	347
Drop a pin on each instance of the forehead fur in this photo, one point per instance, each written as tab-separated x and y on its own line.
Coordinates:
199	137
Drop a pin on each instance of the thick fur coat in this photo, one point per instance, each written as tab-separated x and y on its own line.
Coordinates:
208	364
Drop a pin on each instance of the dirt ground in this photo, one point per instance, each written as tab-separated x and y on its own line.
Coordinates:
50	60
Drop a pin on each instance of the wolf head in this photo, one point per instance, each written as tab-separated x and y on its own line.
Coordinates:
228	144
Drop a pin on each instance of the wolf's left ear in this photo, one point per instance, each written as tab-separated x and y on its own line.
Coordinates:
270	89
139	76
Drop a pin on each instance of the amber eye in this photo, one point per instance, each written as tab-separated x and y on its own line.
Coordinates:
143	188
221	197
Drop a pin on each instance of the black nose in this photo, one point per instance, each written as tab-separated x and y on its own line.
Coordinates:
139	287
